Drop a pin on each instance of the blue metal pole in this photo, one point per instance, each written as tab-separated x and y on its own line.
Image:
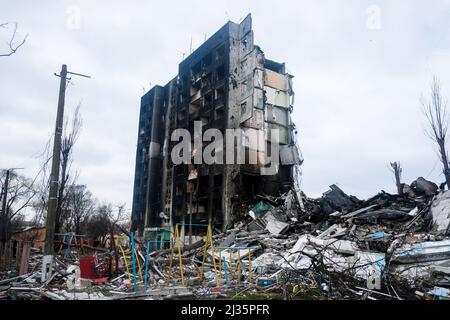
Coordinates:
225	270
69	240
133	259
146	265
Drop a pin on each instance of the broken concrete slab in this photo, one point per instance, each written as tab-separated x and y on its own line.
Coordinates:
422	252
442	293
424	186
334	231
289	155
362	210
256	225
382	216
276	227
440	213
337	200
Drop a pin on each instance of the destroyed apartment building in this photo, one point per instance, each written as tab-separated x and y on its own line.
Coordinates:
227	83
251	235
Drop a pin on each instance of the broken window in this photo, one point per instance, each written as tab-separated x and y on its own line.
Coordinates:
220	52
207	60
179	190
195	88
220	73
181	115
208	100
196	69
178	211
218	181
207	80
219	113
220	93
243	108
195	105
179	170
205	119
274	66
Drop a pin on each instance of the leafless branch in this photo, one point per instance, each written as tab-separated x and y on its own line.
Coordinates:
12	46
435	111
396	169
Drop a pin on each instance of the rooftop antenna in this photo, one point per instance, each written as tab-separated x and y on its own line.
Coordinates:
228	17
183	54
190	48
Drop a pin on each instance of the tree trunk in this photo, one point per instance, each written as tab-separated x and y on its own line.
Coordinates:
445	163
399	185
60	196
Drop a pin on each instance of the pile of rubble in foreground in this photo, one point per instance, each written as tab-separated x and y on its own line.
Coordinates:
335	247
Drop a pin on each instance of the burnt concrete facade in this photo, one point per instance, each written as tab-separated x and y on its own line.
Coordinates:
227	83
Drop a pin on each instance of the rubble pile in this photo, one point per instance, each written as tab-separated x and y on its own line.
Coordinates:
69	283
290	247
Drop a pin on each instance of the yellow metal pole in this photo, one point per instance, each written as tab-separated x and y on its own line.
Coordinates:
204	258
179	255
126	262
139	264
214	255
239	267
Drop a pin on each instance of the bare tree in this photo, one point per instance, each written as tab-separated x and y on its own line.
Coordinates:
106	220
68	142
435	110
81	205
19	197
42	185
12	45
67	179
396	169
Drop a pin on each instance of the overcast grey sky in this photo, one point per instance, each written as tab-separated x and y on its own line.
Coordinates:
360	69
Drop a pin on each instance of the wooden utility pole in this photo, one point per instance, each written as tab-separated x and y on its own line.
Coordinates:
54	176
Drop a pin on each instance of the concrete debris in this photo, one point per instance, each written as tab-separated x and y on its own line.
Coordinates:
339	247
422	252
276	227
335	199
355	213
441	293
422	186
259	209
440	213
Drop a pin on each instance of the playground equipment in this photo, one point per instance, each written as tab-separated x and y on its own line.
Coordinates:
69	236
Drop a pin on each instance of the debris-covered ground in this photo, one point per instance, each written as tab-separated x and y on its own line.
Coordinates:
335	247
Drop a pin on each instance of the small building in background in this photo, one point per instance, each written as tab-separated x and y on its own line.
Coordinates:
34	235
